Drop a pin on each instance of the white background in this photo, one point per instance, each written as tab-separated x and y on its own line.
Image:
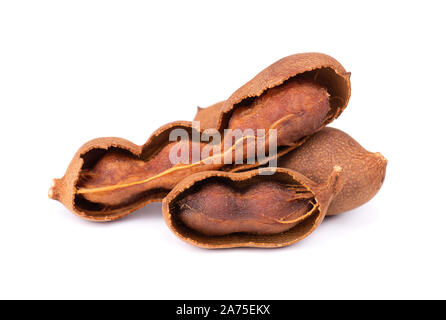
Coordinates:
73	71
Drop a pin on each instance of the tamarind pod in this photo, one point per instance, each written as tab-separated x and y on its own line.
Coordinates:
203	209
317	67
364	171
66	190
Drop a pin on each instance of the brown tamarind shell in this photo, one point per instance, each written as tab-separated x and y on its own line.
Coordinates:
64	189
208	116
363	171
327	71
323	194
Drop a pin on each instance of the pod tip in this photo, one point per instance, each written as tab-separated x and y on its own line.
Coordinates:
381	157
52	192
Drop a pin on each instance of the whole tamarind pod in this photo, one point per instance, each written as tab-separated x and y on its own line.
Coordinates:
363	174
216	209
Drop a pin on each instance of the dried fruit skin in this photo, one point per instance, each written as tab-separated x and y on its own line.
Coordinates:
66	190
319	67
364	171
111	177
207	116
216	209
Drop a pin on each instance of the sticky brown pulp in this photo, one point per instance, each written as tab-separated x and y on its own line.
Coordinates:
220	207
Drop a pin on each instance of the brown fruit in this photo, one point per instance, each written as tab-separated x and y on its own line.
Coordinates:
364	171
317	68
296	109
111	177
216	209
295	126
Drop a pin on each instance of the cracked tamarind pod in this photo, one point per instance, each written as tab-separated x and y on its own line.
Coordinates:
297	95
364	171
216	209
110	177
311	69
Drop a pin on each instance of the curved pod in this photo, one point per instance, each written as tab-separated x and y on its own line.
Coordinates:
147	167
364	171
317	68
217	209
